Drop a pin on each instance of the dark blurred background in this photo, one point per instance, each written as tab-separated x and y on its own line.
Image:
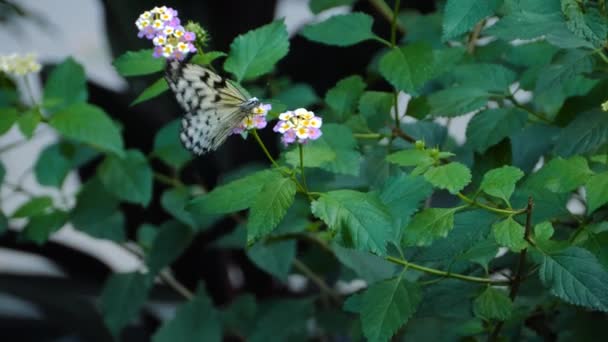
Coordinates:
62	308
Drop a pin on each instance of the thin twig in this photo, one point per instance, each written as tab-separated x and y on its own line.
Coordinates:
300	266
401	134
387	13
474	36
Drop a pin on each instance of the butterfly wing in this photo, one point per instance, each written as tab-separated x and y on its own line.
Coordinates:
212	105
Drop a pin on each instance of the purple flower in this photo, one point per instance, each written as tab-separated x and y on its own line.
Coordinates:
301	124
288	137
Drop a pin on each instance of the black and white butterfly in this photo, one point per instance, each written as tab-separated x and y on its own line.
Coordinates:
214	107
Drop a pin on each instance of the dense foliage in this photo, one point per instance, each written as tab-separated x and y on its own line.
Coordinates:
502	235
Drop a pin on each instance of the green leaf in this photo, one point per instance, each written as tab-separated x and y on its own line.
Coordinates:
317	6
40	227
35	206
290	315
412	157
452	177
121	288
168	148
256	52
342	99
585	22
543	231
28	122
171	240
510	234
388	305
409	67
67	84
196	320
341	30
575	276
586	133
457	101
491	77
403	194
234	196
90	125
597	191
207	57
175	200
530	143
157	88
369	267
360	220
129	179
269	207
561	175
489	127
240	316
493	304
461	15
8	117
375	107
428	225
275	258
146	233
96	213
57	160
137	63
501	182
3	223
299	95
2	172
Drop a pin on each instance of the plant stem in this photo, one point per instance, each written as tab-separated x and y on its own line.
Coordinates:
474	36
387	13
369	135
444	273
526	109
519	273
261	143
489	208
167	180
300	266
397	131
302	167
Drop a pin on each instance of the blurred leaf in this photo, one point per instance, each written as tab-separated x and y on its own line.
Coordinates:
457	101
168	147
2	172
8	116
585	22
96	213
501	182
489	127
157	88
412	157
299	95
403	195
129	179
28	122
269	207
509	233
57	160
369	267
375	107
89	124
388	305
460	16
597	191
122	297
207	57
317	6
360	220
290	315
586	133
40	227
256	52
240	316
428	225
543	231
575	276
342	99
493	304
530	143
452	177
175	200
561	175
275	258
341	30
137	63
67	85
35	206
171	240
146	233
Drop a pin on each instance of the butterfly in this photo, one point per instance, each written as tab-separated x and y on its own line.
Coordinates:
213	105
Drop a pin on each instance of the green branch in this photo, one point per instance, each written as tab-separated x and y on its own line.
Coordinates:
490	208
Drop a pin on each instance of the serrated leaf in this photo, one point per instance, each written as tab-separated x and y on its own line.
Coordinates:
597	191
375	107
299	95
457	101
66	85
88	124
275	258
341	30
493	304
585	22
128	178
137	63
342	98
575	276
412	157
489	127
403	194
317	6
501	182
234	196
388	305
196	320
175	200
8	117
290	315
40	227
510	234
530	143
207	57
461	15
452	177
269	207
171	240
369	267
157	88
35	206
429	225
587	132
543	231
359	219
256	52
561	175
490	77
121	288
96	213
408	68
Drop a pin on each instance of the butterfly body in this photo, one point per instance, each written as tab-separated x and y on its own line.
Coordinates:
214	107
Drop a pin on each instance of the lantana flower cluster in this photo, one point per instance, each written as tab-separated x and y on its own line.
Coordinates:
300	125
19	65
256	120
162	26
